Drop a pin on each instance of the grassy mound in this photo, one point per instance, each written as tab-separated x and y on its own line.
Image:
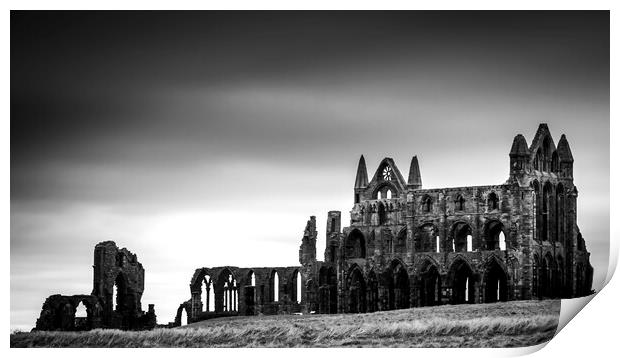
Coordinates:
506	324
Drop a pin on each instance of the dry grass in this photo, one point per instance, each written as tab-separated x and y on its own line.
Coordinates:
509	324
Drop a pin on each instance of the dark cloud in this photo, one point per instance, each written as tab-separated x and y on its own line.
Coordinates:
146	127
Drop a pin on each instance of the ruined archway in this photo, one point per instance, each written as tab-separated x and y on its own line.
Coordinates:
372	302
226	291
462	279
495	283
430	285
397	280
356	292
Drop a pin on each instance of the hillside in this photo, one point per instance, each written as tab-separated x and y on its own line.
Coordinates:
506	324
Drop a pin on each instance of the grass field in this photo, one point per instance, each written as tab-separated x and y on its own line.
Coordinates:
506	324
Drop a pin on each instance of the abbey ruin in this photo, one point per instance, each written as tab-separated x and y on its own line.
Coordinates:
407	246
115	302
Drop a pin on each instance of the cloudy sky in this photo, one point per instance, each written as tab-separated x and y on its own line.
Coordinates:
206	139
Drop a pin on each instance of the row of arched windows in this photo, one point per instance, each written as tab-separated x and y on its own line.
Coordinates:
459	203
427	239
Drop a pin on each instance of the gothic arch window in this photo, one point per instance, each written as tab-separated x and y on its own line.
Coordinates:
425	238
546	164
554	162
427	204
275	287
461	237
388	194
355	245
206	290
538	209
381	214
538	160
535	276
560	217
493	230
492	202
459	203
546	211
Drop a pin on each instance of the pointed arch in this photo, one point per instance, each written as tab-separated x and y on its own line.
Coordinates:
430	284
461	237
398	286
274	285
547	209
537	208
355	245
205	292
425	238
536	276
295	287
461	279
550	271
356	290
381	215
495	281
492	201
372	294
560	215
492	231
249	293
401	241
427	203
560	281
226	291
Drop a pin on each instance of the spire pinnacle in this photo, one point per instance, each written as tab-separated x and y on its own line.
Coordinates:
361	179
415	179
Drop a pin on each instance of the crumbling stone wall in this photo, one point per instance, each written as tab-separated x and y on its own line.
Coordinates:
113	268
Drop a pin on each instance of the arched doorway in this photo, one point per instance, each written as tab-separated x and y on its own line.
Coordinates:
430	285
463	282
495	283
372	292
397	280
356	292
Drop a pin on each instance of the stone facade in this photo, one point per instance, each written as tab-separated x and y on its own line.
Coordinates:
407	246
115	302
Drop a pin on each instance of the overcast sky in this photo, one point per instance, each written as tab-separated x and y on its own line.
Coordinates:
207	139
